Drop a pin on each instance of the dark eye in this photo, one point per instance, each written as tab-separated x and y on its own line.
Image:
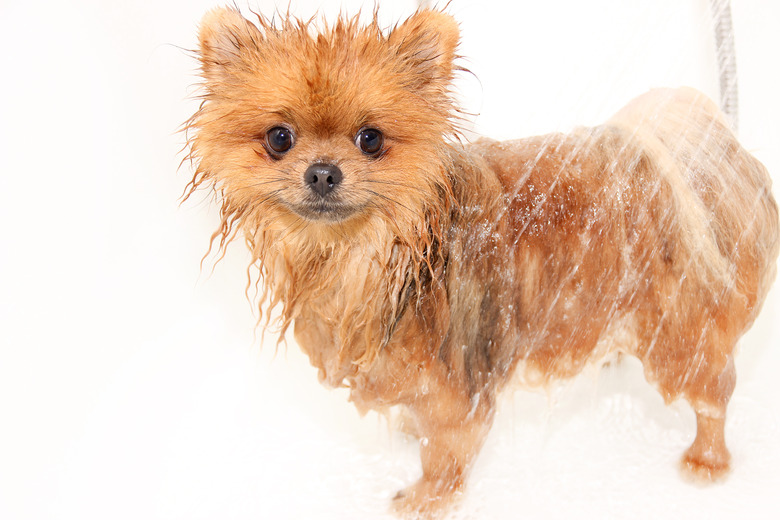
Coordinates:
279	139
370	141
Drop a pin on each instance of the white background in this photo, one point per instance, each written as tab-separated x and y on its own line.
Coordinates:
132	384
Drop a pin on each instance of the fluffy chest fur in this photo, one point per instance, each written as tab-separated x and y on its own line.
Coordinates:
344	304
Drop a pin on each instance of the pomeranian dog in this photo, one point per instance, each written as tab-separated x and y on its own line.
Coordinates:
420	271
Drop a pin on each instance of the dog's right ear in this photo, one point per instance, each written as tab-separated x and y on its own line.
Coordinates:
227	41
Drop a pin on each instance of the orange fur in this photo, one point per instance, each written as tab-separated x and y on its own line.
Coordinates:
428	273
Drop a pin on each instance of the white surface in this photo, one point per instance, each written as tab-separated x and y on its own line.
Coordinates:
131	383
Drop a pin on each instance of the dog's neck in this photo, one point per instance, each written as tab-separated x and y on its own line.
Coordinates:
343	297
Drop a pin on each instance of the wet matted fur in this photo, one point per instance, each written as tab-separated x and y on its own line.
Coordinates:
430	273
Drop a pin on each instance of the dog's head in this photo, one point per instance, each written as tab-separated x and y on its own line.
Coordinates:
327	133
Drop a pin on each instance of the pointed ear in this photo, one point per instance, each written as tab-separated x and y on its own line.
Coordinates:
426	43
226	39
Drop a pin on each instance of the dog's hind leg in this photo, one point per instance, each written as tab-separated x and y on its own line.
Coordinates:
702	371
707	459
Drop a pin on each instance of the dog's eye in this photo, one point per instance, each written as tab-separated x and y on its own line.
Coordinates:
279	140
370	141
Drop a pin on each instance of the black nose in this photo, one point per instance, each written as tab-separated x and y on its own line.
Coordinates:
322	178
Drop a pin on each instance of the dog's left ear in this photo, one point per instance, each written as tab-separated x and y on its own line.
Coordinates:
425	44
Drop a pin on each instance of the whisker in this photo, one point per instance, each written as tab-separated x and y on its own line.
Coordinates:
253	167
240	189
268	196
392	183
286	231
390	199
290	235
339	230
384	211
263	183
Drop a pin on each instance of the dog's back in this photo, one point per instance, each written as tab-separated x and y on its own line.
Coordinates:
657	220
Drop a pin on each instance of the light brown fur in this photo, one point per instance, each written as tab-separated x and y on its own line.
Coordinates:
438	271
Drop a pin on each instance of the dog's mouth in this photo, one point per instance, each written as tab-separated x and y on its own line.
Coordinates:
325	210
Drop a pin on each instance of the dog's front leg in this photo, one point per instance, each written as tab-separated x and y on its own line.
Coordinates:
452	427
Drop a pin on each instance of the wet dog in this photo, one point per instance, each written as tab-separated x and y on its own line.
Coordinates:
426	273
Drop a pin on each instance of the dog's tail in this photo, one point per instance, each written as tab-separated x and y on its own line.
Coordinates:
723	194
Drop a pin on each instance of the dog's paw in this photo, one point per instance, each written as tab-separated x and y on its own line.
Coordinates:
704	467
425	500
